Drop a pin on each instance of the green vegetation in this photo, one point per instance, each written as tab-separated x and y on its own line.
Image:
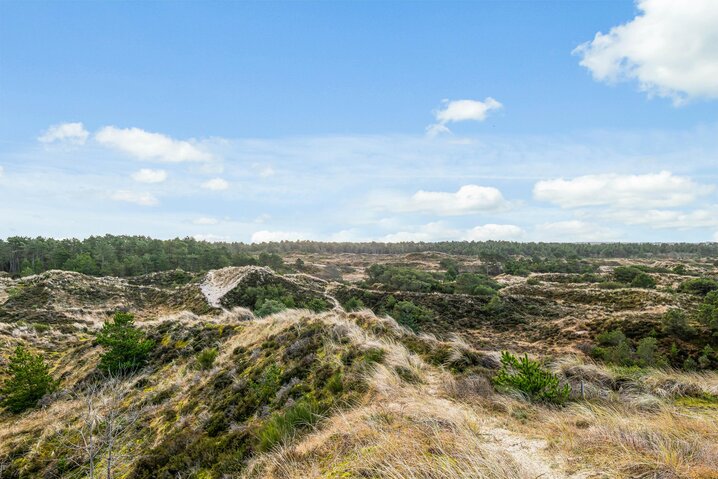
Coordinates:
615	348
643	280
636	276
399	278
206	357
135	255
411	315
269	307
675	323
701	286
523	267
29	381
354	304
529	377
126	347
272	298
708	313
276	390
284	424
125	255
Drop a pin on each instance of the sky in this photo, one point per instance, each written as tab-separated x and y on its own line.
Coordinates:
360	121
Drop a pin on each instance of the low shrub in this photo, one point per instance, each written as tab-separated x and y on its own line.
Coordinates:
283	425
529	377
206	357
701	286
643	280
354	304
269	307
411	315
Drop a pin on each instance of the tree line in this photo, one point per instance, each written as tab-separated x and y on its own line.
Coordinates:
111	255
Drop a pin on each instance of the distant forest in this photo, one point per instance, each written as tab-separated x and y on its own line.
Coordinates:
135	255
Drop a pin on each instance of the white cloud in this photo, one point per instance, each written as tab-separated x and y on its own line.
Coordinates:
72	133
265	236
671	49
715	237
215	184
658	190
146	175
574	230
467	200
440	231
150	146
665	219
2	171
138	198
461	110
205	221
436	129
493	232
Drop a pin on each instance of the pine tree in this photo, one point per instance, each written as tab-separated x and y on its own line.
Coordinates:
29	381
126	347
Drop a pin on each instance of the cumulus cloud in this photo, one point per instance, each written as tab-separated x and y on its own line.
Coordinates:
150	146
138	198
493	232
265	236
461	110
574	230
215	184
71	133
670	49
147	175
205	221
440	231
467	200
658	190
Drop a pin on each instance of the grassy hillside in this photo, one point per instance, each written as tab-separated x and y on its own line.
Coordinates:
368	377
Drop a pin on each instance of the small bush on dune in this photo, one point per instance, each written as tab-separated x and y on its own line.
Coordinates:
354	304
282	426
615	348
675	323
205	359
529	377
700	286
411	315
269	307
643	280
708	313
626	274
317	305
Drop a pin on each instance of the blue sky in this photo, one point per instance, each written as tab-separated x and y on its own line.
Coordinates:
566	121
